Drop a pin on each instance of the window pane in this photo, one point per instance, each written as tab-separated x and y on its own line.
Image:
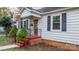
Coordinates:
56	25
26	24
56	22
54	19
57	19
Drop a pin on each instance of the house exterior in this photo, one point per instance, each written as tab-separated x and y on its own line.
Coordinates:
2	31
52	23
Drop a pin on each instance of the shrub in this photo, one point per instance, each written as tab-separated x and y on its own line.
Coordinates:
19	39
6	22
22	32
12	32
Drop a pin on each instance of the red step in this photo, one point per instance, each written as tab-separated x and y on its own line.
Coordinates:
33	37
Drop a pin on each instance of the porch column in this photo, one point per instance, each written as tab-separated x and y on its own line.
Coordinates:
31	27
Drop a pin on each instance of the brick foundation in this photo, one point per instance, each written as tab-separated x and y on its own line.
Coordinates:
35	41
63	45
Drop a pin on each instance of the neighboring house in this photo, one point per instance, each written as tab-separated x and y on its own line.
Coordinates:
52	23
2	30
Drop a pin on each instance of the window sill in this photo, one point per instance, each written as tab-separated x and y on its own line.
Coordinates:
56	30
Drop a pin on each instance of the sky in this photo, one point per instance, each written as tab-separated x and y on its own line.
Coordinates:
36	7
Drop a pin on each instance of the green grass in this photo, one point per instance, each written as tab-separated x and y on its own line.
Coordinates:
4	40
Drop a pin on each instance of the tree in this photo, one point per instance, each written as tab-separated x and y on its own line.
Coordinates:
5	18
6	23
4	11
12	33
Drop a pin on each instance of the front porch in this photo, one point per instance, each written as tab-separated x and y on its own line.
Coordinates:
31	23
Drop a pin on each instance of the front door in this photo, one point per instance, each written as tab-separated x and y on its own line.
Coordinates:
36	27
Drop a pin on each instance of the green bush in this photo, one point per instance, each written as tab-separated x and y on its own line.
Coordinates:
19	39
22	32
12	32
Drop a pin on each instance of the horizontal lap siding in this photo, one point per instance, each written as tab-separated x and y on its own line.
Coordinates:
73	26
72	33
73	22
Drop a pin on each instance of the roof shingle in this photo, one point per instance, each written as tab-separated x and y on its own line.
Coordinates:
47	9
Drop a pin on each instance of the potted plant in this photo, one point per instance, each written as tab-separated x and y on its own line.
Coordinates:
21	34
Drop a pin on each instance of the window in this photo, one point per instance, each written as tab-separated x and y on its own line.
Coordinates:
19	24
56	22
26	24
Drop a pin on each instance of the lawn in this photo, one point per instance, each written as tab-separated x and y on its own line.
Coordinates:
39	47
5	41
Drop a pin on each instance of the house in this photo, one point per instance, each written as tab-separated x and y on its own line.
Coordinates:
59	24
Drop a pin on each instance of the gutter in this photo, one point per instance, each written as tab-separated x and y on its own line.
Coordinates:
57	10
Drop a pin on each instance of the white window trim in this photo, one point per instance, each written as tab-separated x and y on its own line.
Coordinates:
56	30
23	21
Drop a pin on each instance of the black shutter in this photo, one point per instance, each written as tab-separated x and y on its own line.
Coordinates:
48	23
64	22
21	24
27	23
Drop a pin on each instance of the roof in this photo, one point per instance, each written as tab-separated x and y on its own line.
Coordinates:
47	9
33	9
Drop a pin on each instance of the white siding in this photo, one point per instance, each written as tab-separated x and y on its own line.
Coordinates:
27	13
72	33
17	24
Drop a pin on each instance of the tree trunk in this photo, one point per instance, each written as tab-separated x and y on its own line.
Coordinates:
15	38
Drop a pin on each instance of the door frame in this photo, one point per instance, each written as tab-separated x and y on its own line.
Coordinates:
35	27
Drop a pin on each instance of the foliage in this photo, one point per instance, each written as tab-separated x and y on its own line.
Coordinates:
5	41
5	11
19	39
22	32
6	23
5	18
12	32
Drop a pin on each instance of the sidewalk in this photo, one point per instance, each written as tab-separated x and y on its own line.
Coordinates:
8	47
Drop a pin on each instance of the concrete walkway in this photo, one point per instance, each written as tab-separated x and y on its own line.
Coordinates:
8	47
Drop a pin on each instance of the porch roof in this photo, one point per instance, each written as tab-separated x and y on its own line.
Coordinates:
29	14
